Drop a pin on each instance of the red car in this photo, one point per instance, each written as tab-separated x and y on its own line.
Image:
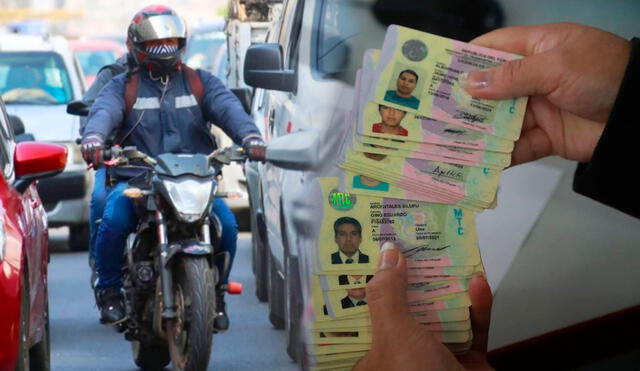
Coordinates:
24	255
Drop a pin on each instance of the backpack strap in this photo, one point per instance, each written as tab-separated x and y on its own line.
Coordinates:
195	83
130	93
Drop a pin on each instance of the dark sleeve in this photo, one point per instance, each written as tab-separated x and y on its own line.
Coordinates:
107	112
221	107
608	178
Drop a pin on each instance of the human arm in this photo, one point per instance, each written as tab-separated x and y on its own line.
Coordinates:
573	75
105	116
400	342
223	108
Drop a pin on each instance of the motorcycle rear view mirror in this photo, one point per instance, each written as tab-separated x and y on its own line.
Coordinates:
295	151
78	108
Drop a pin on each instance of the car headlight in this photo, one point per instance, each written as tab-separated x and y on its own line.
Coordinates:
189	196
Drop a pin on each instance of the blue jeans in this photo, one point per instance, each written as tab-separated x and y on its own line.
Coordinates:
96	209
119	220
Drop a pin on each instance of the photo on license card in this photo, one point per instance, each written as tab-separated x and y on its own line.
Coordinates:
436	63
406	85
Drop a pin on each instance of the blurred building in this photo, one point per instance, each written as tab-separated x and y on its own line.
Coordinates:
90	18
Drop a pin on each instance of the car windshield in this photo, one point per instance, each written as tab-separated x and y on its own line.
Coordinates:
93	60
34	78
346	30
207	51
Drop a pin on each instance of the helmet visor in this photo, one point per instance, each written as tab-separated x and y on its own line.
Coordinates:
159	27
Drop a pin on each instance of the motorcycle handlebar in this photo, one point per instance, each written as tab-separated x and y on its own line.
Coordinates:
117	155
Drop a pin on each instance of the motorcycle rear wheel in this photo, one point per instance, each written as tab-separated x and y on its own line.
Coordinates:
190	334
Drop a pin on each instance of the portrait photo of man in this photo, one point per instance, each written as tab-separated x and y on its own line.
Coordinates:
348	236
390	123
354	279
405	85
354	298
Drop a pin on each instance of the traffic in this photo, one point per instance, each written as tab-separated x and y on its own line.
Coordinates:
202	165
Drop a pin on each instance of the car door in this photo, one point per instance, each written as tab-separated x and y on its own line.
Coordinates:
281	113
31	225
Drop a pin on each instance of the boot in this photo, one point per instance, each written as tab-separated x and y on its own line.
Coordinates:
111	305
221	322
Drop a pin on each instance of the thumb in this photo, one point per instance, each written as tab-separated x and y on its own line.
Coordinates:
533	75
387	294
481	300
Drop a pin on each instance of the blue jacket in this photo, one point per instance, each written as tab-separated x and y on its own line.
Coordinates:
174	125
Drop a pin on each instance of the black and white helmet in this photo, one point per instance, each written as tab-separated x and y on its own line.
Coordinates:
151	23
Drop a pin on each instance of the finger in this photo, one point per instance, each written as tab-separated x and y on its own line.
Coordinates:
532	75
387	296
521	40
532	145
481	300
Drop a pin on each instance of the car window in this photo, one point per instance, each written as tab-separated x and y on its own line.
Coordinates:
34	78
288	16
345	30
294	37
92	60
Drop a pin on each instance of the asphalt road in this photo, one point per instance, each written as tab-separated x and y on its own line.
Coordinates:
80	343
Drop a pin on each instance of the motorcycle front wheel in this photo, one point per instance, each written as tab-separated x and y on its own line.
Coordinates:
190	334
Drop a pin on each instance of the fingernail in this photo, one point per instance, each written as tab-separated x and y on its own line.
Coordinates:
474	79
388	257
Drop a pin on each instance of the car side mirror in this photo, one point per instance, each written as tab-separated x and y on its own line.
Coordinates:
295	151
78	108
16	124
36	160
244	95
264	68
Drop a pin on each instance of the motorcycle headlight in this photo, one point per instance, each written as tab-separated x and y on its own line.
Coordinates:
189	196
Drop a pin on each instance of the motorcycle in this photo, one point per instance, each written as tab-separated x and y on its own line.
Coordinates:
170	275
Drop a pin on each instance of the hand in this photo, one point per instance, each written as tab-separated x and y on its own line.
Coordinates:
572	73
92	150
255	148
400	342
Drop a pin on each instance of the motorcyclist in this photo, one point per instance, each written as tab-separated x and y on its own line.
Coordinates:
166	118
99	194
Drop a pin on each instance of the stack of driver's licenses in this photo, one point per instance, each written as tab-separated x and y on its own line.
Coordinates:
420	157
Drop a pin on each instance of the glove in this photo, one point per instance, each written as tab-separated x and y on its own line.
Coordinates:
92	150
255	148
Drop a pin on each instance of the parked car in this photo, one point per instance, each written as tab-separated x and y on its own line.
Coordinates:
38	76
304	77
24	255
93	54
315	67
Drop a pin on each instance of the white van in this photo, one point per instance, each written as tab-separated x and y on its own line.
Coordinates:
38	77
